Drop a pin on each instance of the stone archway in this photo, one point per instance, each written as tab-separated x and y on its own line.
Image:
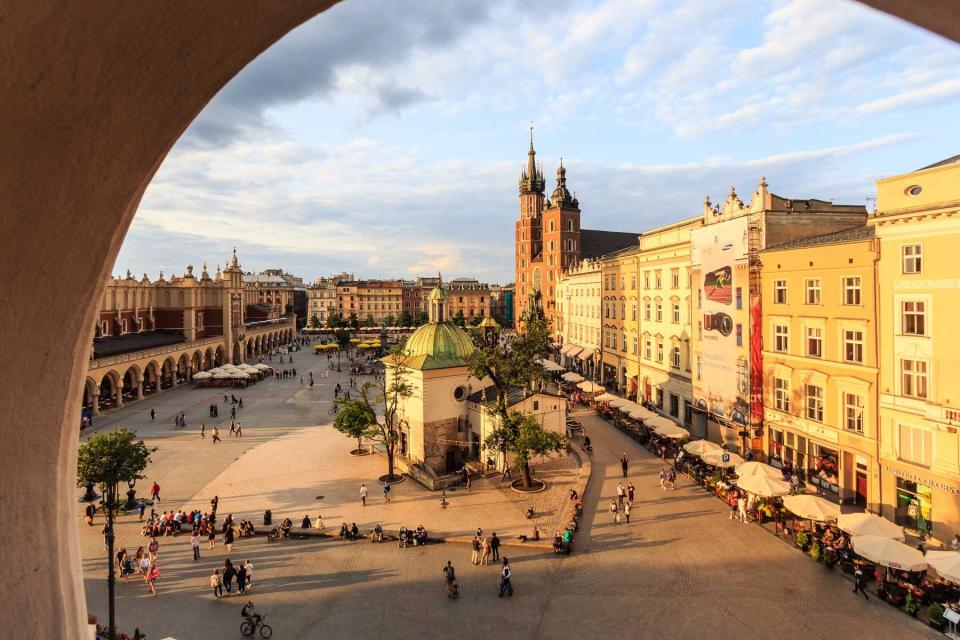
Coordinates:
196	362
168	378
237	353
91	395
132	381
183	368
156	65
109	394
151	378
218	357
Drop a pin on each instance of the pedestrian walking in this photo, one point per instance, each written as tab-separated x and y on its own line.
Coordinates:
228	574
240	404
475	556
495	547
363	494
195	544
663	480
155	491
621	493
672	479
141	507
386	491
249	567
615	511
626	512
624	463
153	414
228	537
631	491
211	536
858	582
233	427
742	509
216	583
203	431
239	431
485	555
216	436
152	577
505	574
241	579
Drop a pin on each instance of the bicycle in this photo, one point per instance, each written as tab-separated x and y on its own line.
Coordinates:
247	627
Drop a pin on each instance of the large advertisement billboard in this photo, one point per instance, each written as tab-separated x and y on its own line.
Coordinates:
716	250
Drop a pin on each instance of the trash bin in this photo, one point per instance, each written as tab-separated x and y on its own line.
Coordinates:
267	517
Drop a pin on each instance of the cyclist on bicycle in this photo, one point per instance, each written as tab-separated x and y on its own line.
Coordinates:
250	615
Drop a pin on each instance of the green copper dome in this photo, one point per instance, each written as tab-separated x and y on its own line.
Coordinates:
438	345
437	294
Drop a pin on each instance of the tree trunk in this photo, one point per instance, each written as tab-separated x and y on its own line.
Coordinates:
525	474
390	462
359	446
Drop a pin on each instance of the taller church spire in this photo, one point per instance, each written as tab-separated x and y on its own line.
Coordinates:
531	178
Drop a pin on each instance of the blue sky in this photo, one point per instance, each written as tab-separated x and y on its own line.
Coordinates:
386	137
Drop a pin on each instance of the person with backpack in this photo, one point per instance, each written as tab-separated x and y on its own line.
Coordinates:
450	576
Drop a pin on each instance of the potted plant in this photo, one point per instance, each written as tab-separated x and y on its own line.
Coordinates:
895	595
803	540
910	604
830	558
816	551
935	616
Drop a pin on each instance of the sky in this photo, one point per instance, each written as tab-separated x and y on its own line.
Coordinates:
385	137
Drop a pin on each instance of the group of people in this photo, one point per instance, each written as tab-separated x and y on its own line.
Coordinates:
412	537
243	574
143	563
486	549
453	589
623	503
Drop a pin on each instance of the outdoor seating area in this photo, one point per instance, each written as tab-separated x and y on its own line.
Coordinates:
230	375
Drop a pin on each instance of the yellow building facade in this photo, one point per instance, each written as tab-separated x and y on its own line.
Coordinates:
918	225
665	319
620	321
578	317
820	362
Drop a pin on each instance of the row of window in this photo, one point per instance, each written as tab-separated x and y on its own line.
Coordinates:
610	281
813	404
610	311
813	343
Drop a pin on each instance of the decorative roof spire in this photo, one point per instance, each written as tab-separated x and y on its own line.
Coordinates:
531	177
561	195
233	260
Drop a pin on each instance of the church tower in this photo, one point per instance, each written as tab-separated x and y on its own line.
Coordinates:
560	233
528	240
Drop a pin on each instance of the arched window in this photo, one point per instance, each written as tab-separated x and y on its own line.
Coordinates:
552	227
570	224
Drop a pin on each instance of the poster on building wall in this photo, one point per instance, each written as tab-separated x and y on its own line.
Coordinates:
715	250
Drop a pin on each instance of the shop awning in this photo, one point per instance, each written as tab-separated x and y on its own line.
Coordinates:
606	397
671	431
589	387
571	350
586	354
570	376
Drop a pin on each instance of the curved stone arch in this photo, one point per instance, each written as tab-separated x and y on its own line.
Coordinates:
237	356
196	361
110	386
183	366
259	348
248	349
209	357
91	394
132	381
168	373
219	357
151	378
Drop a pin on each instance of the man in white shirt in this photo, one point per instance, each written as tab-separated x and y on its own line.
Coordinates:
363	494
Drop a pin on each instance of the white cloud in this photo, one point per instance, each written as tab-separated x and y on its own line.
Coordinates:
930	94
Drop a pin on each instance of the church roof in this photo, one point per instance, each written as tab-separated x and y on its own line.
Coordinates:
437	345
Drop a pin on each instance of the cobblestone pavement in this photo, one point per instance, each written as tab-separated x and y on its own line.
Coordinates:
681	569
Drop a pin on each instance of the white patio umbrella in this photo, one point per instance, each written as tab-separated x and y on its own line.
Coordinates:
811	507
754	468
627	407
221	375
239	375
262	367
589	387
202	375
702	447
946	564
763	486
715	459
570	376
606	397
642	413
889	553
867	524
215	370
672	431
620	402
656	421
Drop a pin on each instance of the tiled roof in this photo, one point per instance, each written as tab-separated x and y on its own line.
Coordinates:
862	232
951	160
127	343
594	243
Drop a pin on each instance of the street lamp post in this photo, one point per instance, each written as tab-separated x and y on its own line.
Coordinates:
108	508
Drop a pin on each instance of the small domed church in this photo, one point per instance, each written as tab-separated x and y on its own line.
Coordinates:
444	420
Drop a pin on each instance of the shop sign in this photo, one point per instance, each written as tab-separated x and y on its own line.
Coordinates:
912	477
824	433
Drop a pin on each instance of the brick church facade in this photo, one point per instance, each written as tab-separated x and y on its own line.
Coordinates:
548	239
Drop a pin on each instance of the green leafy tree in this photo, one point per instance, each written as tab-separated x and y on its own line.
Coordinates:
458	318
389	321
369	321
314	322
354	419
388	393
525	438
405	320
476	321
353	321
343	338
334	319
106	460
422	318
